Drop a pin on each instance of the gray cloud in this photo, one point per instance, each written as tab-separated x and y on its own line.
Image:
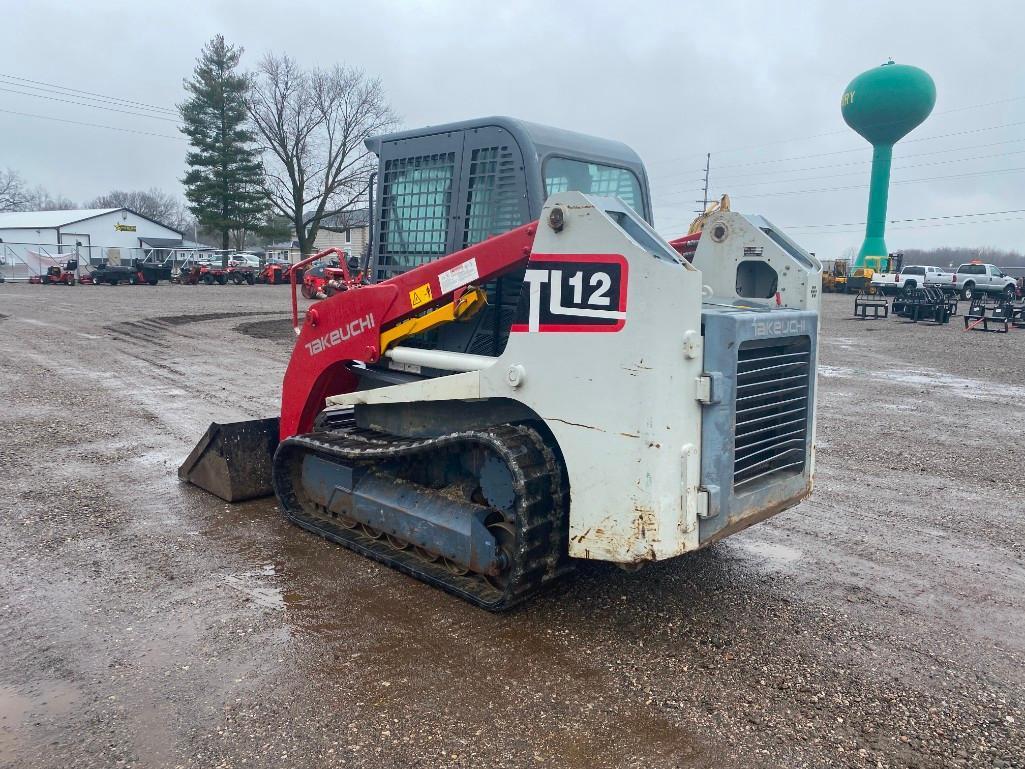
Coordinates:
748	82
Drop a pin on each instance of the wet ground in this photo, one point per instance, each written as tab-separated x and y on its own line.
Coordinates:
144	624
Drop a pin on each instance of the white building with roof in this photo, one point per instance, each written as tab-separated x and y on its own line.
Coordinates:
112	235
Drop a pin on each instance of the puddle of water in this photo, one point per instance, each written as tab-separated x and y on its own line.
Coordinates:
43	323
971	389
170	456
32	704
248	583
779	555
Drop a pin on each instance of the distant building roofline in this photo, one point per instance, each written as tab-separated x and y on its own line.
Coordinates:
48	220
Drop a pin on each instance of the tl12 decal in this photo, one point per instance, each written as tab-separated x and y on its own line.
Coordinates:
573	292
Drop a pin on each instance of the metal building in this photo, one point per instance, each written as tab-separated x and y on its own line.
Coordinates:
113	235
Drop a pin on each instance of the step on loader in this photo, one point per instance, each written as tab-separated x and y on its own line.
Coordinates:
531	375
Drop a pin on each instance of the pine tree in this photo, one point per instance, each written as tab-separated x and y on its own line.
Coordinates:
224	184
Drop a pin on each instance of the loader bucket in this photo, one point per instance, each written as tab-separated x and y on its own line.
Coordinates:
233	460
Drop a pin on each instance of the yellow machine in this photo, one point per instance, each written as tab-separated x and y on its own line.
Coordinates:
722	204
834	279
861	278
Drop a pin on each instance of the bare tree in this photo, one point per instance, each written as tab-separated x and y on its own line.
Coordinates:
13	195
181	219
313	125
41	200
152	203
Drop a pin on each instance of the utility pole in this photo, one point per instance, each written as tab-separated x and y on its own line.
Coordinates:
704	201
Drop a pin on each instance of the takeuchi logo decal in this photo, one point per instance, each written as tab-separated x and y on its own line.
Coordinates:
339	335
780	327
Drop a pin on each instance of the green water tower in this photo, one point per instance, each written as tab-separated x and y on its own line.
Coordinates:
883	105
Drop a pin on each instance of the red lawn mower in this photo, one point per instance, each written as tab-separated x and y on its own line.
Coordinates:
328	277
273	273
195	274
58	275
240	274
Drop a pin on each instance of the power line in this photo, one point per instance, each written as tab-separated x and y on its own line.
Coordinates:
841	131
77	91
92	106
856	162
965	132
886	123
927	226
900	181
866	149
733	188
911	219
864	186
93	125
104	100
908	219
673	225
787	159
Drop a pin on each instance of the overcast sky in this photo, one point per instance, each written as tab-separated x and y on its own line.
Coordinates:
756	84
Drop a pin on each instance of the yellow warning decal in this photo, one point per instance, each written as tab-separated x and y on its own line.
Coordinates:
418	297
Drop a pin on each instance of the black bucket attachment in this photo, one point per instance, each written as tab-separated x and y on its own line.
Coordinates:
233	460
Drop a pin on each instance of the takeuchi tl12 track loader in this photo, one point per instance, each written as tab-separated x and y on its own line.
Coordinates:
531	375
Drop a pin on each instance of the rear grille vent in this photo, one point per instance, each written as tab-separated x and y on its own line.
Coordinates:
771	430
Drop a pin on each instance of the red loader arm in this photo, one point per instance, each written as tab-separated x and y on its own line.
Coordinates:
686	245
347	326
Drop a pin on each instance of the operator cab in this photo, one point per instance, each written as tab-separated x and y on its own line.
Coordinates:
444	188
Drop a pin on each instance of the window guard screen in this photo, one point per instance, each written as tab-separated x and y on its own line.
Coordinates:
416	201
492	195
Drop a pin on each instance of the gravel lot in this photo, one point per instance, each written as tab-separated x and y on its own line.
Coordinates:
143	623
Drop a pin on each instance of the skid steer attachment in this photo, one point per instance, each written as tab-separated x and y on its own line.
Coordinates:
233	460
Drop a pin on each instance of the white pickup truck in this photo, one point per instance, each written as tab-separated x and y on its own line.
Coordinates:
912	276
975	277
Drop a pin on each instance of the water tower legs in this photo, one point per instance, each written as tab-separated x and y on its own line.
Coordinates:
878	195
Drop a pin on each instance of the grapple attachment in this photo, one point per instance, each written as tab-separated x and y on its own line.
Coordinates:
233	460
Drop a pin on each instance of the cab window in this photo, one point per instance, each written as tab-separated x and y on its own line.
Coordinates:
562	174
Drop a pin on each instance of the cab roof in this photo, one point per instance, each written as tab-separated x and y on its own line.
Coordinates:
540	139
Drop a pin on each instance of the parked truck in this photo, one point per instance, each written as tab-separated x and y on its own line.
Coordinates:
913	276
976	277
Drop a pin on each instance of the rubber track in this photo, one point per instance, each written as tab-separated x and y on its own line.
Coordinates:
539	509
